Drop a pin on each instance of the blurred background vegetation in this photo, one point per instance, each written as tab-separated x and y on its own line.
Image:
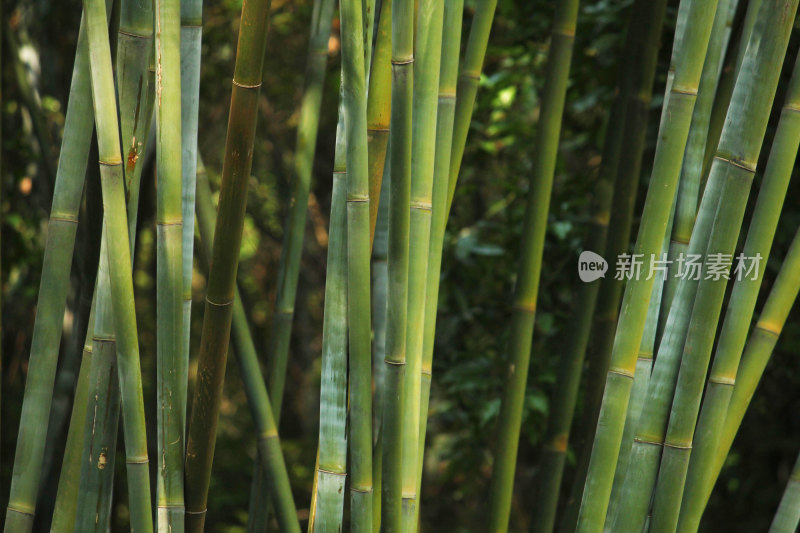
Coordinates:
481	249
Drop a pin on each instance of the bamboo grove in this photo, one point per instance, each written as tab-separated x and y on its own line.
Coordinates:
656	370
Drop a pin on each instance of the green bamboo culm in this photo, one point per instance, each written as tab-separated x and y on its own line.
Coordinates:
730	346
787	517
736	159
530	264
119	260
172	364
354	105
666	171
327	506
268	445
379	111
191	36
225	259
427	60
51	302
468	87
100	421
760	344
397	296
448	78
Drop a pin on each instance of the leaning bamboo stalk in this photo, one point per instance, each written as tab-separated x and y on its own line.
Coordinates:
172	375
268	445
692	170
354	105
526	292
225	259
468	87
736	160
787	517
52	295
758	351
445	115
427	61
331	469
100	417
739	313
666	170
397	297
379	109
119	259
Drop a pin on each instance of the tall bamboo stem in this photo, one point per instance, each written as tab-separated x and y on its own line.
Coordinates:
119	260
397	297
427	60
224	261
787	517
530	265
52	295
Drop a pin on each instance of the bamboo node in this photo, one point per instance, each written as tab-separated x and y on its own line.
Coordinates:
331	472
678	446
687	92
134	35
749	167
219	304
769	328
378	129
204	511
422	206
399	62
791	108
645	441
565	33
620	372
470	76
365	491
112	163
723	380
26	512
246	86
359	198
143	460
64	218
525	308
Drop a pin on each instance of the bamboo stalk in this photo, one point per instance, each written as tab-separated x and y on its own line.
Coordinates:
51	302
739	313
692	170
530	265
172	362
119	259
787	517
468	87
427	61
379	110
331	468
224	261
191	36
736	160
666	170
397	297
758	351
354	104
269	448
445	116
